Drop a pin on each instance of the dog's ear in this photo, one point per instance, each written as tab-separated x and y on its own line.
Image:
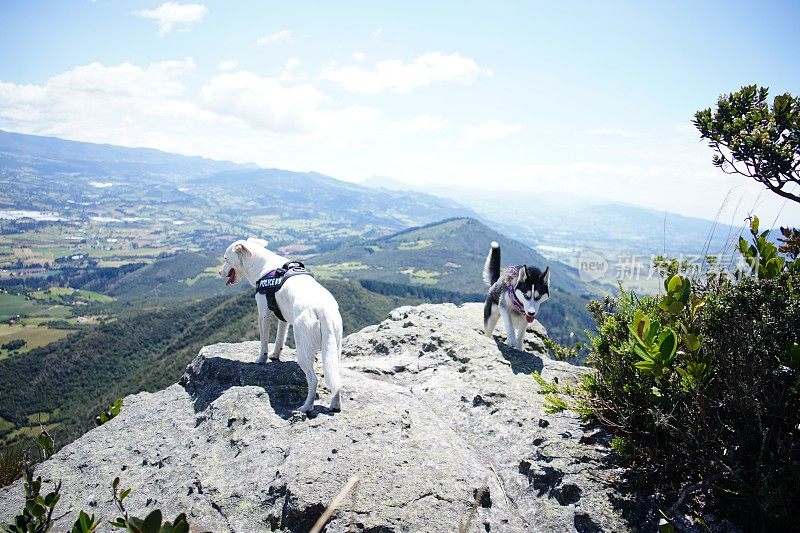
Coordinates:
523	274
242	250
547	276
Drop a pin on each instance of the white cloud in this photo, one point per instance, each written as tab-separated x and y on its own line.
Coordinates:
132	105
170	14
290	73
282	36
228	64
263	102
423	122
360	57
271	104
125	104
398	76
492	129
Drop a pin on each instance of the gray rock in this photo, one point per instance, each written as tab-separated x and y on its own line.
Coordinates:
439	422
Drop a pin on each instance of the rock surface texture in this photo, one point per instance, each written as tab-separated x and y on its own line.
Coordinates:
444	427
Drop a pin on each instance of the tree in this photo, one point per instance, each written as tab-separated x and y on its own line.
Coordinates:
754	140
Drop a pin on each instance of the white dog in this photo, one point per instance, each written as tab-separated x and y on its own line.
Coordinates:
305	304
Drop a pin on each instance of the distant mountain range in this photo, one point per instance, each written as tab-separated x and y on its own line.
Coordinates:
59	171
552	221
52	154
312	195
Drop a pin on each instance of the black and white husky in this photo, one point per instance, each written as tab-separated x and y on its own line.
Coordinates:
516	296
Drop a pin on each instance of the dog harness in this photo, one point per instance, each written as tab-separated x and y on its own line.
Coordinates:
272	281
512	293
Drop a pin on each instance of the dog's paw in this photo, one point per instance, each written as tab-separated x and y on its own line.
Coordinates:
261	359
336	403
274	356
305	408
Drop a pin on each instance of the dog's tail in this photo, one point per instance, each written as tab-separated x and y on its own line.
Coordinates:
491	268
331	329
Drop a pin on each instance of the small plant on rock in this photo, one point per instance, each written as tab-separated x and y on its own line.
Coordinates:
85	523
112	411
37	515
152	523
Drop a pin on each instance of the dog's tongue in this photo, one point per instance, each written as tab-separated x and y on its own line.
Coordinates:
530	318
231	277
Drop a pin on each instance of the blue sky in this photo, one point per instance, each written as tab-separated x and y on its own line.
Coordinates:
587	98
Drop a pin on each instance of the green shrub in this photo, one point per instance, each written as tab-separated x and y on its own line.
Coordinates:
752	331
702	385
37	515
112	411
14	345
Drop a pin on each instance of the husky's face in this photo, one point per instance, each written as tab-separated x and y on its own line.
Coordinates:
233	268
532	289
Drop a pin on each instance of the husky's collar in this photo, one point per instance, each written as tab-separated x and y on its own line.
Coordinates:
512	292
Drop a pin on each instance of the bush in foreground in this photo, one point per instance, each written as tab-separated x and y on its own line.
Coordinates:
702	386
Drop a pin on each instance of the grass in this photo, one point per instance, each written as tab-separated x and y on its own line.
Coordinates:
5	425
415	245
209	272
7	330
34	337
421	277
43	417
335	270
54	312
116	263
12	305
31	431
30	328
66	295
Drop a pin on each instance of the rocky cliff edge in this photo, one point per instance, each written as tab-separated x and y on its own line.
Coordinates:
442	425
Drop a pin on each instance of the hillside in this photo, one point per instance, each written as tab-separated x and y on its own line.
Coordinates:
51	155
313	196
449	255
72	380
143	199
442	429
